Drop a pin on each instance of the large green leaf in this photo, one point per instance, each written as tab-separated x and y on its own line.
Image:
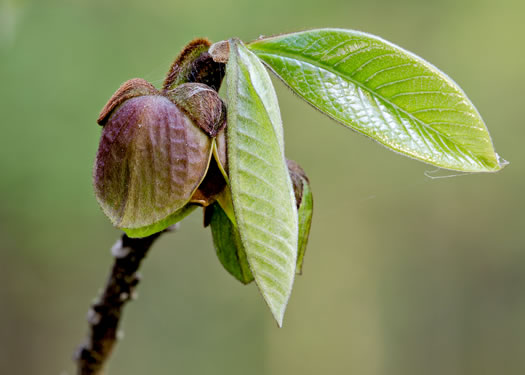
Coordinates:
384	92
262	193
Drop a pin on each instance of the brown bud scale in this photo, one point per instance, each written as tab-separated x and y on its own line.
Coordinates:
129	89
297	175
181	68
202	104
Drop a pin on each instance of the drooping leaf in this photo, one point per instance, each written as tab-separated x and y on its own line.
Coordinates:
384	92
150	160
262	194
228	245
304	203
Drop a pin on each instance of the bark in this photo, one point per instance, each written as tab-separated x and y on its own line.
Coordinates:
105	313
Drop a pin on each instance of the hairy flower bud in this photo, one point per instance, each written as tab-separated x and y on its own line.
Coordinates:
151	159
156	146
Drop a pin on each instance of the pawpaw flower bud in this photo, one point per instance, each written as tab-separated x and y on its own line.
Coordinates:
155	160
155	150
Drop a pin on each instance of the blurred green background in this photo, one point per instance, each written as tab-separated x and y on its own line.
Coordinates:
403	274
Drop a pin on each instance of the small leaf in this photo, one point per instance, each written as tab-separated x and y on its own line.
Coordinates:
160	225
150	161
384	92
304	202
262	193
228	245
305	221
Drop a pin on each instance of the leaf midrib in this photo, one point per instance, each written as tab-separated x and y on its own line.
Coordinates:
318	64
261	105
244	71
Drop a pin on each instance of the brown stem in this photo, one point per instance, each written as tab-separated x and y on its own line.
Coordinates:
105	313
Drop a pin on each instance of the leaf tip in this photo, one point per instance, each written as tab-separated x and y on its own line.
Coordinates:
278	314
277	306
501	162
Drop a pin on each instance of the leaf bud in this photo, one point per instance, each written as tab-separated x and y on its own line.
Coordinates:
304	202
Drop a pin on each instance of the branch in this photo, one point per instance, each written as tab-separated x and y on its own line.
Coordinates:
105	313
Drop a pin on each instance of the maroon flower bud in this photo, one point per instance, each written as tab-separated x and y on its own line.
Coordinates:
156	146
151	159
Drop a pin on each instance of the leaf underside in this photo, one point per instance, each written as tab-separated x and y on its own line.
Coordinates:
384	92
262	194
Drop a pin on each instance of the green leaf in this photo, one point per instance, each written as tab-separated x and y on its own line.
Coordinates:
262	194
304	214
161	225
384	92
228	245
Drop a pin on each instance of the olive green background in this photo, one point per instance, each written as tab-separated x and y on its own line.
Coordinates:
403	274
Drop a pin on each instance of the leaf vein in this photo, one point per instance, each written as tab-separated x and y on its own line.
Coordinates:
371	60
403	80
